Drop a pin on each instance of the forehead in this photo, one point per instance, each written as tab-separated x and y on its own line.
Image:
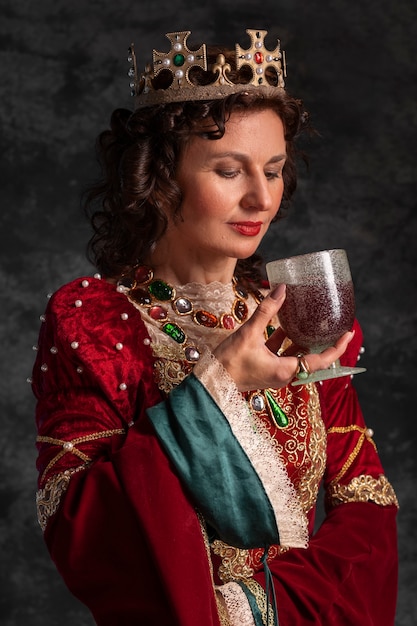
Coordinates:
247	131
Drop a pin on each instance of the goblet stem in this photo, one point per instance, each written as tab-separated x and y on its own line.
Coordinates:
335	370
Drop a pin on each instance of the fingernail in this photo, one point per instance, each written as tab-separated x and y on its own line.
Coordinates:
278	292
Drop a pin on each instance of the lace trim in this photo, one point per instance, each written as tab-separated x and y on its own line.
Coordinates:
363	488
49	498
237	605
256	442
257	590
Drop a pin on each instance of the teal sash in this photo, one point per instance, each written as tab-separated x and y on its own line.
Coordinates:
214	468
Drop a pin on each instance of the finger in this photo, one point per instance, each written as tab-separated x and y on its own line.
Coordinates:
268	308
324	359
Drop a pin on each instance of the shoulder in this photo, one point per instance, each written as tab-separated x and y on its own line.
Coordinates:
94	326
90	305
93	338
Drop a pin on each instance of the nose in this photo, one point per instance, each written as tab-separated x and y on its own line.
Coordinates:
257	196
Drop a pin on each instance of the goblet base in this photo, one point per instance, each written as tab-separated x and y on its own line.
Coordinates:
336	371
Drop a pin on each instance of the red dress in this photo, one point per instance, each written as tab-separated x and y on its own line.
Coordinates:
128	531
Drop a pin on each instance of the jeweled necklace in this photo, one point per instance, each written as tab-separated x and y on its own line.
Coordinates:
157	297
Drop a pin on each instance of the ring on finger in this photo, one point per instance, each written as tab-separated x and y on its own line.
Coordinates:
303	370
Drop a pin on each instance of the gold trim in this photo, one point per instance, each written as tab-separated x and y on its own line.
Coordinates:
365	435
49	498
221	605
234	562
363	488
68	447
261	600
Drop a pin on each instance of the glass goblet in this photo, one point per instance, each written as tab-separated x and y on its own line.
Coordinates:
319	306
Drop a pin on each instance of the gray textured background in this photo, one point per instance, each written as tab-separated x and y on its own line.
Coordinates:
63	70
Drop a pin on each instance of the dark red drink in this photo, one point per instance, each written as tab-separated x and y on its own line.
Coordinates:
316	316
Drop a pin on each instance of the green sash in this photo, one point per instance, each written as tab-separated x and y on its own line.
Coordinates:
211	463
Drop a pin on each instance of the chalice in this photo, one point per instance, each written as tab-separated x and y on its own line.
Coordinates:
319	306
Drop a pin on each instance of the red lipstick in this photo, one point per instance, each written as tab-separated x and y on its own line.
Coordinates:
249	229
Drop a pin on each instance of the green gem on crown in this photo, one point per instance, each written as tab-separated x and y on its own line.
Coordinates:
161	290
179	59
175	332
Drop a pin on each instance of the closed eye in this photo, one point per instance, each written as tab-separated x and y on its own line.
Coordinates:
228	173
272	175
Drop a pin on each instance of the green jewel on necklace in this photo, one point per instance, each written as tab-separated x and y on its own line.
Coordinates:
174	331
156	296
161	290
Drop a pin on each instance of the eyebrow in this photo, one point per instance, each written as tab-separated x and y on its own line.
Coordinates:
240	156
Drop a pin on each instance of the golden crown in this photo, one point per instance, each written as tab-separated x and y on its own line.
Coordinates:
179	60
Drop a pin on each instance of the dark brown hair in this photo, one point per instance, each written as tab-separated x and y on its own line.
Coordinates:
139	155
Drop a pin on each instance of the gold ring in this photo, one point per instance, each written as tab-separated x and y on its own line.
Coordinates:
303	370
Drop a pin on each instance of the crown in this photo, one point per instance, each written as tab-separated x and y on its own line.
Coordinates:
180	60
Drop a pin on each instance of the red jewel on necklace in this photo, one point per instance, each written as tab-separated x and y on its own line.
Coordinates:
240	310
204	318
143	274
157	312
227	321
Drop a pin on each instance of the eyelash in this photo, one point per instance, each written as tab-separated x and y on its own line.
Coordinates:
234	173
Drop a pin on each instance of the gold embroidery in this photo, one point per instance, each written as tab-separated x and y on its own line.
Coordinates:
365	435
261	600
68	447
221	606
48	498
363	488
308	482
170	368
303	442
303	445
233	565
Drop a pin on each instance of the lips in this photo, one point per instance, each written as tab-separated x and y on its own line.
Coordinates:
249	229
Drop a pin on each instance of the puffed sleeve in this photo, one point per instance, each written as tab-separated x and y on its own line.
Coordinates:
348	573
116	519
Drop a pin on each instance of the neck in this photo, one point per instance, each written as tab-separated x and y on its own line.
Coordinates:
194	270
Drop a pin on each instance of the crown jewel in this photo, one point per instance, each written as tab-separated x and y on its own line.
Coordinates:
179	61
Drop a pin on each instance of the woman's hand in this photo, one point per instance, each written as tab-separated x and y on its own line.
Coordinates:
254	364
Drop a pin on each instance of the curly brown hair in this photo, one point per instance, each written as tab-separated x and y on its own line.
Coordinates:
139	155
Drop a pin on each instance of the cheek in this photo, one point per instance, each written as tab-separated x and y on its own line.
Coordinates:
208	205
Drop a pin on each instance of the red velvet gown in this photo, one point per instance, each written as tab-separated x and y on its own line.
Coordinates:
140	538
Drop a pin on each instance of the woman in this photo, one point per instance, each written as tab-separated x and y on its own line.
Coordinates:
179	469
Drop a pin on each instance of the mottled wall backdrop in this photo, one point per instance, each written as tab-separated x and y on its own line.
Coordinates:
63	69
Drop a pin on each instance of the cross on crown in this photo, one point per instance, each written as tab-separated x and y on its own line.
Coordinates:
259	58
180	59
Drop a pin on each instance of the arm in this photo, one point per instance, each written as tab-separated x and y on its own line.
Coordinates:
116	519
348	574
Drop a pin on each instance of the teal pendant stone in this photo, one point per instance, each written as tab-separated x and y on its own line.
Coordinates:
278	415
175	332
270	330
160	290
